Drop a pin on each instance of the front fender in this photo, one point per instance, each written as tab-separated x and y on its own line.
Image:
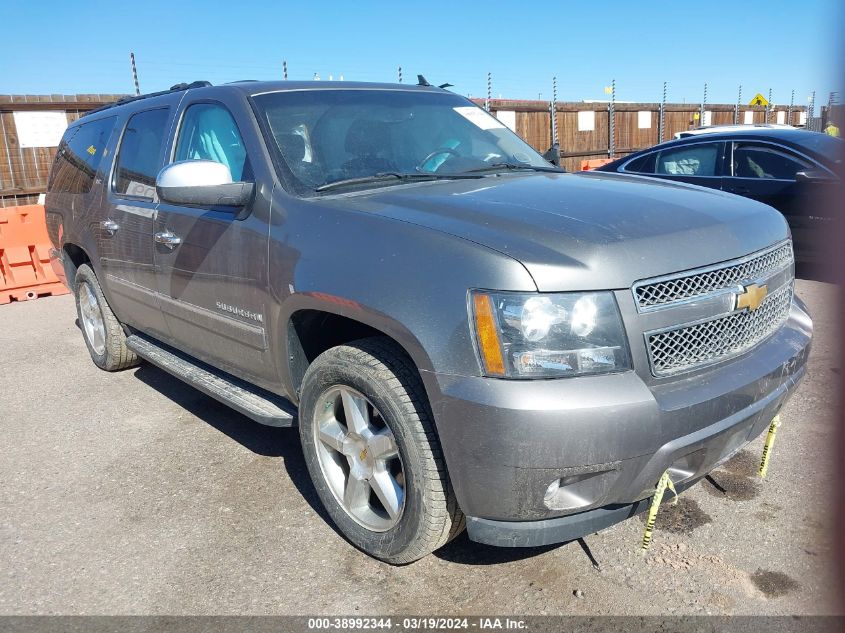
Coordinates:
367	315
408	281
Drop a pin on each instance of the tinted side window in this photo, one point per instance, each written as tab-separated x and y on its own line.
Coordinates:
765	161
139	156
79	155
209	132
642	165
689	160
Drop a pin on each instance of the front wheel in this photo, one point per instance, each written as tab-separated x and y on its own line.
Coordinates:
373	453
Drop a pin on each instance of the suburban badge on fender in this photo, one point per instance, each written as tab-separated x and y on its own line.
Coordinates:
751	297
255	316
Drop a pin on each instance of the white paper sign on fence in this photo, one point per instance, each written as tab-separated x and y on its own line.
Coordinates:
802	118
781	117
644	119
586	120
748	117
40	129
708	118
508	117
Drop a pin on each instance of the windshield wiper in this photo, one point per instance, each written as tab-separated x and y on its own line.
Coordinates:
390	175
514	167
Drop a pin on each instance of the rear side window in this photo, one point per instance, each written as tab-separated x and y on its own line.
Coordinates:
689	160
78	156
139	156
765	161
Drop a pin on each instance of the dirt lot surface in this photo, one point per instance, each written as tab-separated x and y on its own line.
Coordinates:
131	493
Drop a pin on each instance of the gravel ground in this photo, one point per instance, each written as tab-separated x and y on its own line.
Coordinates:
131	493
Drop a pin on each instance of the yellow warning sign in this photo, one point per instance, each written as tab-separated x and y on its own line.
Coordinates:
91	150
759	100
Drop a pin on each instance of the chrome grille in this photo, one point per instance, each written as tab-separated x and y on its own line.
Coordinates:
657	293
697	344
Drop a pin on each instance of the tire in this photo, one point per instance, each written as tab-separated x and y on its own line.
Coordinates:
378	371
107	346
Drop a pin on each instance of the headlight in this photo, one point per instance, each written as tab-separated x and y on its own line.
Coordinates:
549	335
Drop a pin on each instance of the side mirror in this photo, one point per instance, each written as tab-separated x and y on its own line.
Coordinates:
813	175
203	183
553	155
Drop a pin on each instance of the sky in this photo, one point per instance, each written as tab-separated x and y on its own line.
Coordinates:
51	47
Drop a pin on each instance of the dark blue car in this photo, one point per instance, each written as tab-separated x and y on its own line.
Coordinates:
792	170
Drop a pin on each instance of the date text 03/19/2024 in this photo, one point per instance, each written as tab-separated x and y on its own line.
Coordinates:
416	623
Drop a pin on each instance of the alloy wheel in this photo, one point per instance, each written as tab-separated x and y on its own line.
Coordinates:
92	319
359	458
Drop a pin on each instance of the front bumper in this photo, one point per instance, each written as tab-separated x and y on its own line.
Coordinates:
605	440
557	530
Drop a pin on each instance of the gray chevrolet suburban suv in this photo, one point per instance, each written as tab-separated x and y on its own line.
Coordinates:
464	334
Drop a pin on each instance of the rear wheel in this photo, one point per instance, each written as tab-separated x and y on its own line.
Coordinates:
373	454
101	330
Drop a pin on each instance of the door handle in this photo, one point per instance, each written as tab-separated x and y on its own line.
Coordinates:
109	226
168	239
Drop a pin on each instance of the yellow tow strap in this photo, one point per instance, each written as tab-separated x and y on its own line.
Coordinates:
664	483
767	447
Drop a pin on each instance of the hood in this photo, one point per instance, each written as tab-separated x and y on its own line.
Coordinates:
587	231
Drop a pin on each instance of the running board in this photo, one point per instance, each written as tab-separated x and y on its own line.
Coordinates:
254	402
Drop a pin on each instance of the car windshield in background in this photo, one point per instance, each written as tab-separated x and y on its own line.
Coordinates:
333	139
828	146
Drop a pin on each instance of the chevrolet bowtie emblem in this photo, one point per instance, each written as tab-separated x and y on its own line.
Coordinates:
751	297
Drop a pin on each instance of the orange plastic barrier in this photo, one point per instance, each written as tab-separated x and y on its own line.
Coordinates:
25	270
587	165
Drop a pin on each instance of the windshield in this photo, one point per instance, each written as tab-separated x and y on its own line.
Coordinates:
828	146
361	136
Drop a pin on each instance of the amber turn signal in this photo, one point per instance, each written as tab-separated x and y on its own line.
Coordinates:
488	337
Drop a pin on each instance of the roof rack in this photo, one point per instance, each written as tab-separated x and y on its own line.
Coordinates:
174	88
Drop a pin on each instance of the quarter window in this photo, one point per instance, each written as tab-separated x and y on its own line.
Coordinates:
689	160
209	132
139	157
78	156
642	165
765	161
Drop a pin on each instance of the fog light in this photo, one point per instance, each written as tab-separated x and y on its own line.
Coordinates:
551	492
579	490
